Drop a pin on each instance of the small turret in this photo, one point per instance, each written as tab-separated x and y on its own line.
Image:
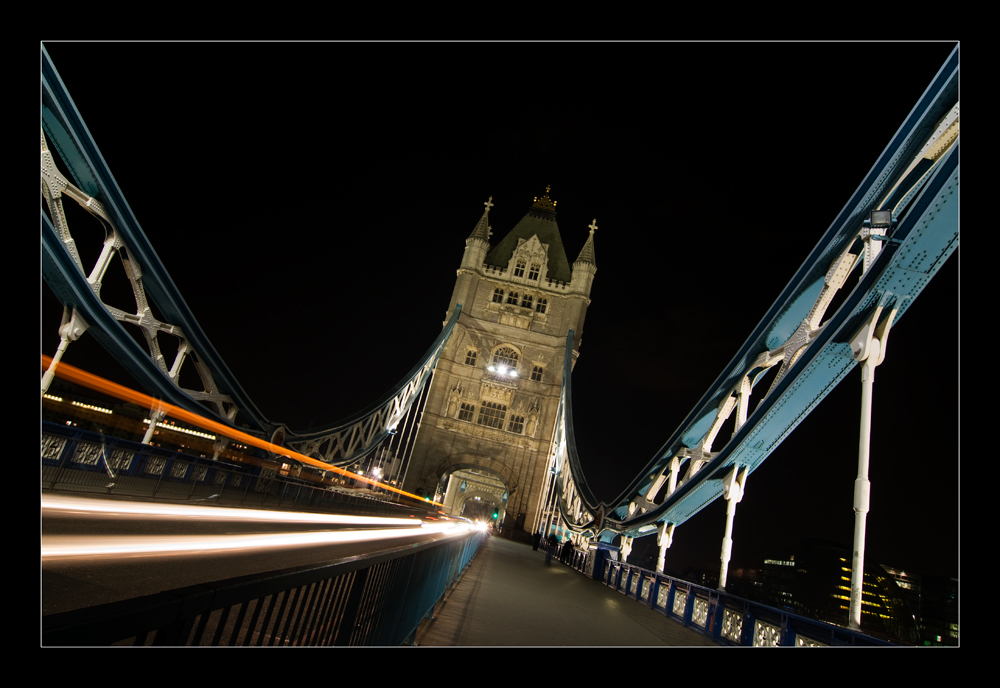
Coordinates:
478	243
585	266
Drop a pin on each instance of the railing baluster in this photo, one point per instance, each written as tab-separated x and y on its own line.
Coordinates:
279	627
377	598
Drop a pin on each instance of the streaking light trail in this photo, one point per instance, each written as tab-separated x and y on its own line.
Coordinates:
91	381
63	504
53	547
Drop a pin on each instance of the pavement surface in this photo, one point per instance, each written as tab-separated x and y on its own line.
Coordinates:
509	597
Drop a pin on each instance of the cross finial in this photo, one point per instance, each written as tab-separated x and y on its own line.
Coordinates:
593	226
488	204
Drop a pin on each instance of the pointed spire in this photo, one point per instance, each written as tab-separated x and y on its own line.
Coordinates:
587	252
483	230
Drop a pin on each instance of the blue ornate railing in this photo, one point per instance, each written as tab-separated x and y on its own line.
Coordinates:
726	619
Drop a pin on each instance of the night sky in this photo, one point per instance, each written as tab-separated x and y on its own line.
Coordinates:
311	202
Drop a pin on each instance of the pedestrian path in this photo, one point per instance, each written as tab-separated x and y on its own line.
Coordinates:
509	597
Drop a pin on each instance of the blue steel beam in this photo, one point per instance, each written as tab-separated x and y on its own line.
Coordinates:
96	189
70	286
66	131
926	235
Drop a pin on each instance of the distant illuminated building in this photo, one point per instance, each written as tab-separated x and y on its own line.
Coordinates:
938	616
816	582
934	603
778	583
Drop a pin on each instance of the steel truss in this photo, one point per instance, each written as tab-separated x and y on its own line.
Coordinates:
90	184
916	179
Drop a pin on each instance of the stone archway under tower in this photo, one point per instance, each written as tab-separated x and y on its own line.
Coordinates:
479	506
465	481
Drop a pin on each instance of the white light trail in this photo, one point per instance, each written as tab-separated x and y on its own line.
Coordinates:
58	546
68	505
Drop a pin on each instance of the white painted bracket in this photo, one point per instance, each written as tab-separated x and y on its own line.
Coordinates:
664	538
69	331
626	547
868	346
72	325
861	342
734	484
733	487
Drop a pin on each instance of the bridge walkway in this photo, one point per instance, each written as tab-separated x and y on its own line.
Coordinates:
509	597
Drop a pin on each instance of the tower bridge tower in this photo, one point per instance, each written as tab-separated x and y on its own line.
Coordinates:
491	408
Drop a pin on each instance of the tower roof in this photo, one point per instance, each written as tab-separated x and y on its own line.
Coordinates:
540	220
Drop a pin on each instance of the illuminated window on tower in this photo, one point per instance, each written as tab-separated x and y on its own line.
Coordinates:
505	356
519	269
498	295
470	357
533	272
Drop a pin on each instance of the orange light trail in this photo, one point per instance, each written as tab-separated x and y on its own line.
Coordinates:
94	382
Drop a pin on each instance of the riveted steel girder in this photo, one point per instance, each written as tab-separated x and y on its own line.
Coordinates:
88	181
916	178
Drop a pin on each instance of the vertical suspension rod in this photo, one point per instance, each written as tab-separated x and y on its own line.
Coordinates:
862	486
420	403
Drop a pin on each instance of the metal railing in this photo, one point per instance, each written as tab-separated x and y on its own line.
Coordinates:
77	460
372	599
725	618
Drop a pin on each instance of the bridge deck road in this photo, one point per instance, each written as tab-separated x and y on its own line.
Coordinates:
508	596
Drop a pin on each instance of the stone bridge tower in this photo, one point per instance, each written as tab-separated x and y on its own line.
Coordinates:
491	408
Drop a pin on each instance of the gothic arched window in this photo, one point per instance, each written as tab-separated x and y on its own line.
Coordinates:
512	298
533	272
498	295
536	373
505	356
470	357
491	414
526	302
466	411
516	424
519	269
540	306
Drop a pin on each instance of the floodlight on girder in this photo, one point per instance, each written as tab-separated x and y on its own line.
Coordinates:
880	218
